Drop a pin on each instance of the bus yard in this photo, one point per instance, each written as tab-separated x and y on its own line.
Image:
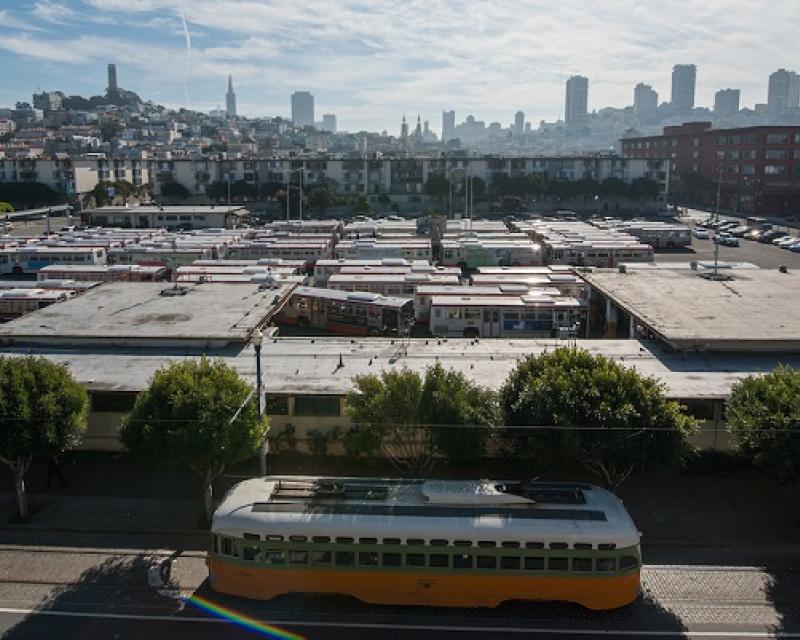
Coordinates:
338	301
325	295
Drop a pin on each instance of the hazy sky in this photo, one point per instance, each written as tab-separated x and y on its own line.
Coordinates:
370	61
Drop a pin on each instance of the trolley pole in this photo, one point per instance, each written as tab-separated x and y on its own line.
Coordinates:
258	339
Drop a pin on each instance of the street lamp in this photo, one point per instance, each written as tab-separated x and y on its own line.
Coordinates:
257	340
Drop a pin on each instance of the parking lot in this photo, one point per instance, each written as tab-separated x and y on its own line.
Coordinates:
766	256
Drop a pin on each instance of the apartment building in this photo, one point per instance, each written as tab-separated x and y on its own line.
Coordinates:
758	168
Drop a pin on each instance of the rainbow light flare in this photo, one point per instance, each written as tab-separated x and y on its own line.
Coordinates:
240	619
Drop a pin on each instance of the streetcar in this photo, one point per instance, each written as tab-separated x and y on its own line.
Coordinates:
473	543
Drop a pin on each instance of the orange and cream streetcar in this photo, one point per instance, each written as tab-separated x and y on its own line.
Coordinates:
447	543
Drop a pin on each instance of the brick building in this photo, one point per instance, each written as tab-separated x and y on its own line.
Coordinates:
758	167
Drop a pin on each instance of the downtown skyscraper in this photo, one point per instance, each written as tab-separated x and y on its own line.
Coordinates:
576	113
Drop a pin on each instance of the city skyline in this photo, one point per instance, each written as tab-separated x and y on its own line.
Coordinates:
365	65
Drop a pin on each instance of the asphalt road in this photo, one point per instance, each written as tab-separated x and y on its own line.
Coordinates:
62	592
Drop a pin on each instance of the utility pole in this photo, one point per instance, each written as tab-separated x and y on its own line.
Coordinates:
716	219
288	191
302	163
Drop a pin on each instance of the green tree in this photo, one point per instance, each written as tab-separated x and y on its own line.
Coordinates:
5	207
241	190
321	197
362	204
217	191
613	187
23	195
174	191
270	189
607	416
437	185
198	413
462	411
109	130
43	412
412	419
763	415
643	188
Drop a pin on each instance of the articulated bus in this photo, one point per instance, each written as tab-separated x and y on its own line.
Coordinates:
462	543
17	302
525	316
324	269
473	252
102	273
425	293
347	313
160	256
30	259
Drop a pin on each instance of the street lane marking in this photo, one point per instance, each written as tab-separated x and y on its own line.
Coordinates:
667	633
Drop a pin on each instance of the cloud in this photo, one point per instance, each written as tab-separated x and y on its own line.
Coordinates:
53	12
8	21
372	60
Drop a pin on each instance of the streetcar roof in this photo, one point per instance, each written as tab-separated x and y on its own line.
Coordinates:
425	509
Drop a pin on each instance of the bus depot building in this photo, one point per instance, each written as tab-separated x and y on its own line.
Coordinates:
306	380
688	310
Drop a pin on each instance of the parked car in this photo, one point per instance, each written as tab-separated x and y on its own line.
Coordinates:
739	231
780	239
785	244
726	240
768	236
702	234
795	247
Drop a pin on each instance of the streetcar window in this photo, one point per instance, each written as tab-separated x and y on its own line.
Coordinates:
321	557
392	559
628	562
534	545
415	559
581	545
275	556
252	536
606	564
557	564
558	545
227	546
438	542
298	538
344	540
462	561
607	546
298	557
509	544
251	553
534	563
462	543
368	541
415	542
391	541
274	538
487	562
581	564
345	558
214	544
509	562
438	560
368	558
321	539
486	543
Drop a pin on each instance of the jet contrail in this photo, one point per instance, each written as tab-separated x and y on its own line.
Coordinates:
188	51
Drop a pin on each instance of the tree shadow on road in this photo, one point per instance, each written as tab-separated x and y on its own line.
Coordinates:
116	586
782	590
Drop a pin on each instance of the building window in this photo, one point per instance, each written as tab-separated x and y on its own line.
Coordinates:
750	154
721	140
775	154
720	155
696	142
277	406
748	169
775	170
777	138
735	140
316	406
733	155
